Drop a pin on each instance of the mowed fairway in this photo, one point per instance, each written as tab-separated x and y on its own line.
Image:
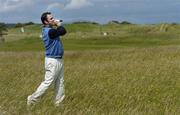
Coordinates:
127	80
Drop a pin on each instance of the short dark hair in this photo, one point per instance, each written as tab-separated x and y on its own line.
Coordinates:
44	16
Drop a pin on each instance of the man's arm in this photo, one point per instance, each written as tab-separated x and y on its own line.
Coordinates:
54	33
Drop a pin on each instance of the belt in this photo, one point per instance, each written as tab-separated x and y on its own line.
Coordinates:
57	57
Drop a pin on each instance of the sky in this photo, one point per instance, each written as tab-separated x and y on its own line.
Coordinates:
101	11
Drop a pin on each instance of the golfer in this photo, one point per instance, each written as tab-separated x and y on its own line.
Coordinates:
54	64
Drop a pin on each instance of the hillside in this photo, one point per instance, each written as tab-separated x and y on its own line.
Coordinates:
94	36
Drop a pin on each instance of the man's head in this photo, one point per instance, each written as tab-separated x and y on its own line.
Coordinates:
47	18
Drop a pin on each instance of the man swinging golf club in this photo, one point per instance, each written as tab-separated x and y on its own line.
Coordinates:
54	64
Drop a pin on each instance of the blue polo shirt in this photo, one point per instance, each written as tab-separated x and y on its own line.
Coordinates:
54	47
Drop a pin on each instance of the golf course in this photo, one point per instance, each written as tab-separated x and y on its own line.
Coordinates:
109	69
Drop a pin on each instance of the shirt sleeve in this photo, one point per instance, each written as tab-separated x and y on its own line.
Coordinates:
54	33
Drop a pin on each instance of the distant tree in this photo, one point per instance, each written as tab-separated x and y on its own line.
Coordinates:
117	22
19	25
95	23
29	23
125	22
3	30
23	24
174	23
113	22
85	22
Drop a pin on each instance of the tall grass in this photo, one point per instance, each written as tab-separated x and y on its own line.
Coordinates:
134	70
123	81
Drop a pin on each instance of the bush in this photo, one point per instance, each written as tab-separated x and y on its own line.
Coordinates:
3	29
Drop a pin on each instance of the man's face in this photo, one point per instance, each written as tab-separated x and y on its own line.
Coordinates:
50	20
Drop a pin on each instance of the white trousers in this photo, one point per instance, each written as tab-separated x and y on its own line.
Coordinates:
54	73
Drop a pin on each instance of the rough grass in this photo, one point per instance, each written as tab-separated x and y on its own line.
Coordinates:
132	71
134	81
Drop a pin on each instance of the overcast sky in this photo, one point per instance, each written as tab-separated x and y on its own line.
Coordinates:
102	11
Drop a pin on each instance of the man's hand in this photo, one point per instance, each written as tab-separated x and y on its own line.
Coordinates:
57	23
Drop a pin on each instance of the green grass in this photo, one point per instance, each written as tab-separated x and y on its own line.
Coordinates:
36	44
90	36
122	81
132	71
27	44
